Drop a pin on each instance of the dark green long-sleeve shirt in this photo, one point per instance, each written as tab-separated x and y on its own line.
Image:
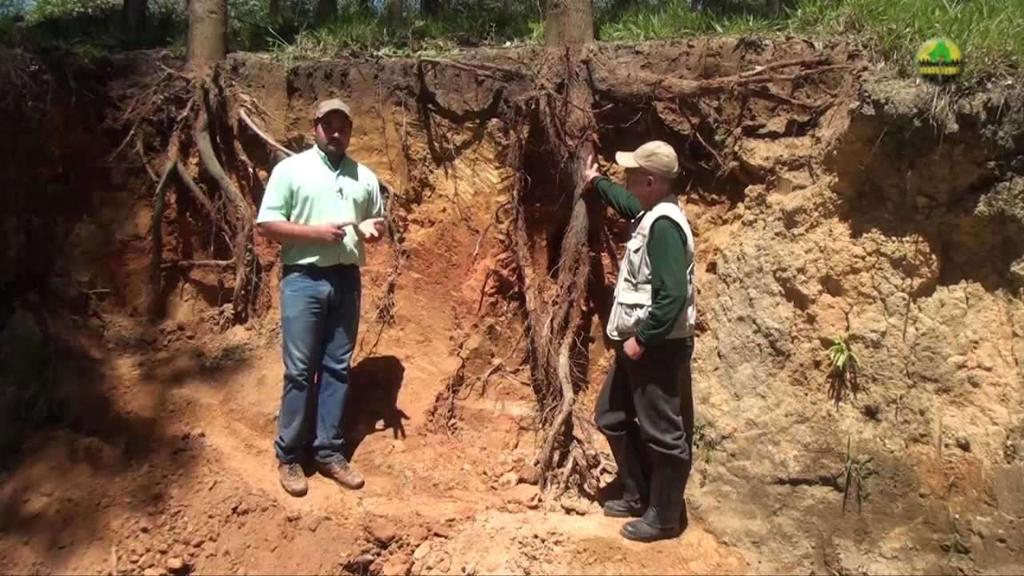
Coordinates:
666	250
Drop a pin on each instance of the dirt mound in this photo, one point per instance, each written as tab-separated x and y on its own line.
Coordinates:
824	203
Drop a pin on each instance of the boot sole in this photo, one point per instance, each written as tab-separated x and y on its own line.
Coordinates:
621	514
346	486
654	537
296	493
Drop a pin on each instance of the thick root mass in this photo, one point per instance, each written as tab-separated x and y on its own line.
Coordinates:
204	163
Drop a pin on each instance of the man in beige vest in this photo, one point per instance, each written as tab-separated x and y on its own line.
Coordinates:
645	408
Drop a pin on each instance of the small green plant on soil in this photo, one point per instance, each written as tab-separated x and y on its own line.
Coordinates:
857	471
706	440
956	547
844	368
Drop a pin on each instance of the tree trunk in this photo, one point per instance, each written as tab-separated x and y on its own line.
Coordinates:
557	306
326	11
394	10
429	7
207	33
569	23
133	16
274	11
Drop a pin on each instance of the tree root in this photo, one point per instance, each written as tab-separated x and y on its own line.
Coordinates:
385	312
201	125
484	69
156	229
641	87
244	117
202	200
444	414
554	307
243	213
200	264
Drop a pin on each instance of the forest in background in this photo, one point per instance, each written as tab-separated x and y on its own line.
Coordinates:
990	32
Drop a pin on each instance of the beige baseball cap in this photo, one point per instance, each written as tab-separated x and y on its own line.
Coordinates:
330	106
656	157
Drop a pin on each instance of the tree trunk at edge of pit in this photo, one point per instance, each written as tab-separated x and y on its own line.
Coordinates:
566	460
429	7
326	11
393	10
569	23
133	19
207	33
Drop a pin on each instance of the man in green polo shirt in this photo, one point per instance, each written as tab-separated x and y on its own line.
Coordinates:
322	207
645	408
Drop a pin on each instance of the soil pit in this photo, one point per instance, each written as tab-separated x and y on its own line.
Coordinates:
153	451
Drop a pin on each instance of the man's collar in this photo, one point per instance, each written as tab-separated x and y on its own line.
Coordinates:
326	159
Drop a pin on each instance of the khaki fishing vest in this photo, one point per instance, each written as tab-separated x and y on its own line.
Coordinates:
633	288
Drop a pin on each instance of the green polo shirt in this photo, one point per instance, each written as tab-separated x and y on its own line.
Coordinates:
307	189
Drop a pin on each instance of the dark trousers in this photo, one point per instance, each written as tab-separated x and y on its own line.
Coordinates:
319	322
651	399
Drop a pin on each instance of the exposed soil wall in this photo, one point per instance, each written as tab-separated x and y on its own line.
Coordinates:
846	202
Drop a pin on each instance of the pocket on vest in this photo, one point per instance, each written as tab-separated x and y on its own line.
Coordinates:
634	255
626	317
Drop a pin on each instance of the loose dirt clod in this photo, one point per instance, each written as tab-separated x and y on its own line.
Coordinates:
175	565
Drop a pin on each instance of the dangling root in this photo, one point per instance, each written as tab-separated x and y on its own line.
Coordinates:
244	117
159	201
555	329
443	415
243	213
385	312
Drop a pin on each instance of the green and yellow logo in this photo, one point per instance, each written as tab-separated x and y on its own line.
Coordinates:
939	58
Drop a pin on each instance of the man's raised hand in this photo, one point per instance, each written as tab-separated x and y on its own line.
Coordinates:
372	229
592	171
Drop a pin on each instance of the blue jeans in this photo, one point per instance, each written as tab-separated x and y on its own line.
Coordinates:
319	321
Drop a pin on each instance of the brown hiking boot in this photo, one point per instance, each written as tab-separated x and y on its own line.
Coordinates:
342	473
293	479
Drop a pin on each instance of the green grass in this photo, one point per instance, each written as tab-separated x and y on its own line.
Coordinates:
989	32
360	30
675	19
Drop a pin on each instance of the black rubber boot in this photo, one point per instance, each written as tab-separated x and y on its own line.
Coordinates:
627	453
666	516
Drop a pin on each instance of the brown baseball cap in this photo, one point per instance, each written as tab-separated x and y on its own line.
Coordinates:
330	106
656	157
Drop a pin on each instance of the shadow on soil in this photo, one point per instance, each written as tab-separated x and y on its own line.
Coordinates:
110	433
911	180
373	399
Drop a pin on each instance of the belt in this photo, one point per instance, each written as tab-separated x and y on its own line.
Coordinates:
314	269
